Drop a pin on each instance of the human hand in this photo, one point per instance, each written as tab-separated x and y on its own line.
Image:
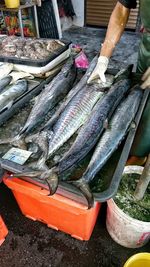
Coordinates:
146	79
100	69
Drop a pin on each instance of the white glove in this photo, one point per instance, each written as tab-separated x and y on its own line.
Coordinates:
100	69
146	79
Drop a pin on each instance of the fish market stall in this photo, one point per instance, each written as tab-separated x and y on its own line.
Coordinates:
67	152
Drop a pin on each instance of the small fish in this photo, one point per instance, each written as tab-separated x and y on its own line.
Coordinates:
4	82
13	92
5	69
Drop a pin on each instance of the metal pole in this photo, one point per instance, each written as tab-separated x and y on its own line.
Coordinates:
20	23
36	21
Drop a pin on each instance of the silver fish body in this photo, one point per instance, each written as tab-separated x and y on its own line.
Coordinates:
50	96
13	92
91	131
71	94
4	82
115	133
74	115
109	141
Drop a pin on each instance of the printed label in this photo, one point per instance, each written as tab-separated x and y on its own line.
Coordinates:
17	155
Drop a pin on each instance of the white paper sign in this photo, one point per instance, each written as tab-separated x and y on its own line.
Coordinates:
17	155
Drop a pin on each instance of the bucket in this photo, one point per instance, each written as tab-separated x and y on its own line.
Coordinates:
125	230
12	3
138	260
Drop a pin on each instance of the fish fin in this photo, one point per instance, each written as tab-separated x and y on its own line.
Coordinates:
51	178
133	125
102	89
8	106
52	182
85	189
32	174
105	125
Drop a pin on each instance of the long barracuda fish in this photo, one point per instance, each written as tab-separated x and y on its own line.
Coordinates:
110	140
51	95
70	95
13	92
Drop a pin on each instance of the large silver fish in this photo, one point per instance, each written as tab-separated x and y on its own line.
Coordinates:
74	115
70	95
110	140
13	92
51	95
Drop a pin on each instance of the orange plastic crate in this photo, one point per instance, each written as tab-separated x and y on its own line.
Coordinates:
3	231
58	212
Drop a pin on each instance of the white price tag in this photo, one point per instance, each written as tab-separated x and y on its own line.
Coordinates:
17	155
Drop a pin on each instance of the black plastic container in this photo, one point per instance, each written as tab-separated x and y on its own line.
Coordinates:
113	179
37	62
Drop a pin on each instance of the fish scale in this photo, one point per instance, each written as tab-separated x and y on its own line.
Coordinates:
74	116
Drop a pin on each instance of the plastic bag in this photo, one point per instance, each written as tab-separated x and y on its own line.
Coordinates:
81	61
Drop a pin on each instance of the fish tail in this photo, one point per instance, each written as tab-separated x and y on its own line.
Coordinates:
50	176
52	182
83	186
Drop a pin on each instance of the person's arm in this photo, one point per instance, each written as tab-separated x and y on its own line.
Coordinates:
117	23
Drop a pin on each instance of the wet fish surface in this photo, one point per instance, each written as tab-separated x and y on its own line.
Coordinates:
74	115
71	93
91	131
50	96
110	140
33	120
12	93
4	82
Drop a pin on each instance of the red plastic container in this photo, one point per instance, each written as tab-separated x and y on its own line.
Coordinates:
58	212
3	231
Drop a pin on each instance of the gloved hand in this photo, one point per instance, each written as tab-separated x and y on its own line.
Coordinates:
146	79
100	69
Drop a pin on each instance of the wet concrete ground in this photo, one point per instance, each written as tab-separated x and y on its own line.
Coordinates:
32	243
